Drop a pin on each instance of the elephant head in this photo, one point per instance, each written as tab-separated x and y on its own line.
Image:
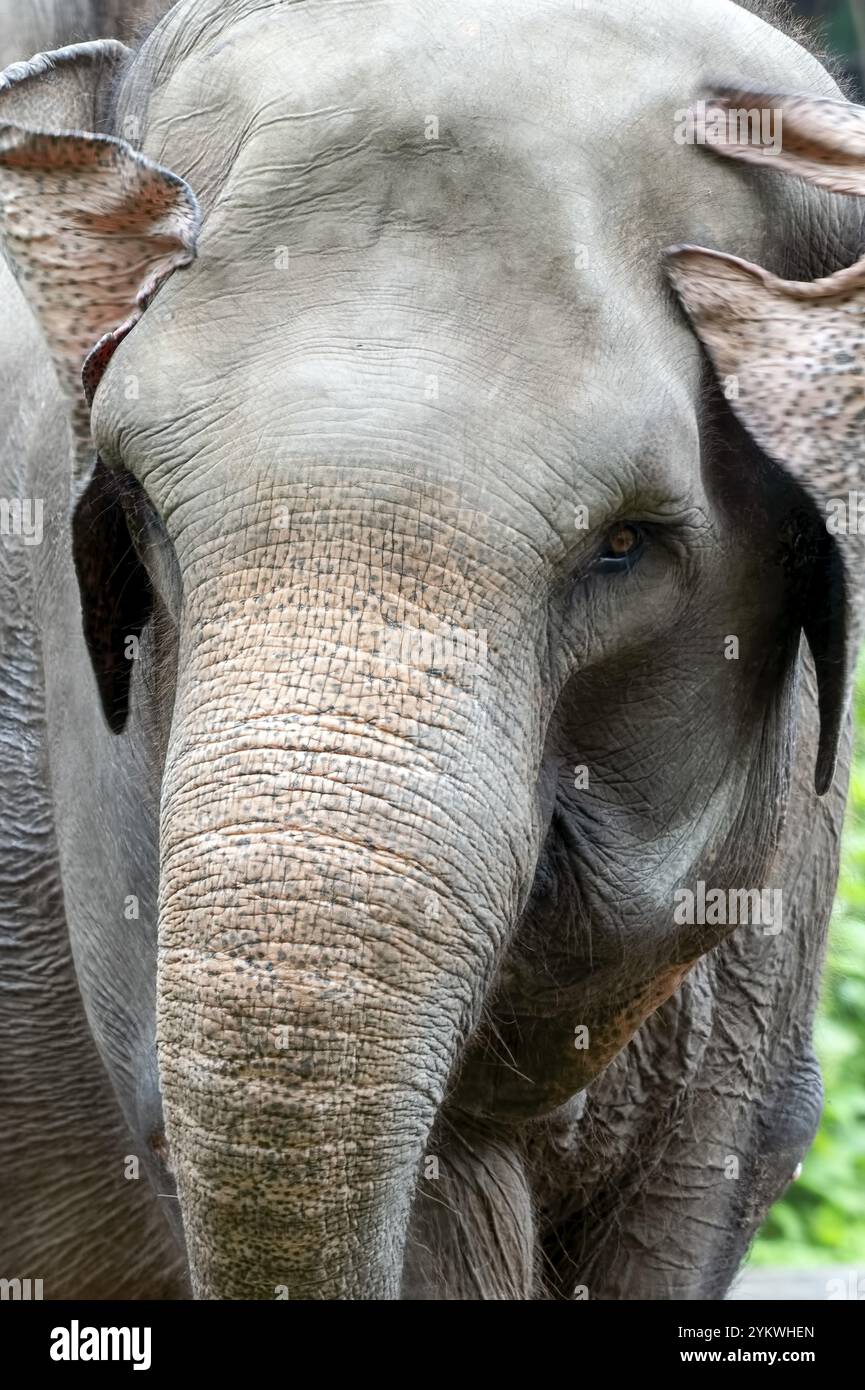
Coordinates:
488	614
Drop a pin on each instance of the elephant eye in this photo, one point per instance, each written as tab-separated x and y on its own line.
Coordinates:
621	548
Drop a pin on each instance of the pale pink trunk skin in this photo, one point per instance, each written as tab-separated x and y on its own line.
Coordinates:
344	840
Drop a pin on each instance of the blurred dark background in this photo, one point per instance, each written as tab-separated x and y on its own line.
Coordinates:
843	24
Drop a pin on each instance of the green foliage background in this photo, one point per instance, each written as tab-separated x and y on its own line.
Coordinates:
821	1220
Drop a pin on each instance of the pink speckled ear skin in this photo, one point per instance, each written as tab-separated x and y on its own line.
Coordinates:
793	357
821	140
90	227
61	90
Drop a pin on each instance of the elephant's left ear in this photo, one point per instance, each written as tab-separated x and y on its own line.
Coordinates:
791	358
90	227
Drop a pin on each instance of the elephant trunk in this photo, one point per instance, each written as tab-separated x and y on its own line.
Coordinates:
335	885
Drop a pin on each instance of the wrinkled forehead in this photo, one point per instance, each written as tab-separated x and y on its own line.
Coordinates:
444	196
459	162
484	124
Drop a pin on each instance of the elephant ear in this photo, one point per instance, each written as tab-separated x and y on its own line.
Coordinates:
91	229
792	356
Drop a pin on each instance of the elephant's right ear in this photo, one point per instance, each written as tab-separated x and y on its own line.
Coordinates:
793	357
91	229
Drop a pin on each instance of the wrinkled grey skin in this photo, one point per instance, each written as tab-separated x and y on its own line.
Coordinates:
70	1214
382	908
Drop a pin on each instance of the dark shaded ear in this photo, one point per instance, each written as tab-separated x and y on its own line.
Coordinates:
791	358
91	229
116	595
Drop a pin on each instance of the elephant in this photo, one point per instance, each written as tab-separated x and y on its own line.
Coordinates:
437	425
65	1137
